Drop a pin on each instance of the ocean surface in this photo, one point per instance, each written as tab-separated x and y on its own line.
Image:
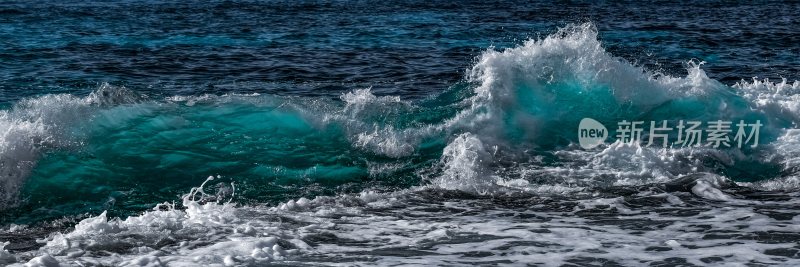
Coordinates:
388	133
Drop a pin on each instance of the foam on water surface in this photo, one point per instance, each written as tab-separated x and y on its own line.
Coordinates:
652	225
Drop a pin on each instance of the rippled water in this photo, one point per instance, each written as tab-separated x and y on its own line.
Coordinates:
247	133
406	48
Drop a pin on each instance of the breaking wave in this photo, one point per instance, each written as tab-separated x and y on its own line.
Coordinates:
511	123
509	128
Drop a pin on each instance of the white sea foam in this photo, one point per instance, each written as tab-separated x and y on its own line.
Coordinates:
464	166
709	186
5	255
385	141
416	227
359	98
205	231
778	99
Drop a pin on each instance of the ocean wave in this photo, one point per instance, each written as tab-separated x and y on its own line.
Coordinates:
510	126
527	102
34	126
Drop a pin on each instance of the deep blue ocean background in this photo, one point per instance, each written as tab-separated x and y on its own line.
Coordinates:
406	48
120	105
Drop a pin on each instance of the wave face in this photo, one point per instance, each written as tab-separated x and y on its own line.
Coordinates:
510	126
86	150
528	101
508	130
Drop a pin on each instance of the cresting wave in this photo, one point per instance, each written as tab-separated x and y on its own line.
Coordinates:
512	110
508	129
519	126
509	121
50	122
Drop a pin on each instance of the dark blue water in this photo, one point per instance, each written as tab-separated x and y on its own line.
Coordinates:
406	48
120	105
